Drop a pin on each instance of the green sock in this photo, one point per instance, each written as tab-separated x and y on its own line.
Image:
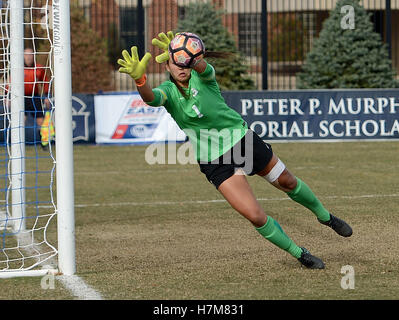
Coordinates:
304	196
273	232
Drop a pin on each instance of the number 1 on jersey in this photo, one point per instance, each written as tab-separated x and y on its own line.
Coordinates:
199	114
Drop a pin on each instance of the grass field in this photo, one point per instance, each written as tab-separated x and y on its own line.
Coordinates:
163	232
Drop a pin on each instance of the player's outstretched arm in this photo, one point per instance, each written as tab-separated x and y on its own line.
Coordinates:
134	67
200	66
146	92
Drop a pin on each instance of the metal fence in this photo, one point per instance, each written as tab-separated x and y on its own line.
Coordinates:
274	35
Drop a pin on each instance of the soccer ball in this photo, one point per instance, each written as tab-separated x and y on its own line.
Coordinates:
186	49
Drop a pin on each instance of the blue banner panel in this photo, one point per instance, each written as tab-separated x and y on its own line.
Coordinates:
319	115
83	118
83	122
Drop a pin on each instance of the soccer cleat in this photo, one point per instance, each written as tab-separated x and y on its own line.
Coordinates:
310	261
338	225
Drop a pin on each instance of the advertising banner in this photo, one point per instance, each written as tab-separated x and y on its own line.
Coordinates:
325	115
125	118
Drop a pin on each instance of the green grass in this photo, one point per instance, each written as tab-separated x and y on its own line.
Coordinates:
142	231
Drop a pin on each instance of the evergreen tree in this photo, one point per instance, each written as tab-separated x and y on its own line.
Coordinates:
345	57
205	20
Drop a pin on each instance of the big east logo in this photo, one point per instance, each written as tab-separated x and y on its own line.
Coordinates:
138	120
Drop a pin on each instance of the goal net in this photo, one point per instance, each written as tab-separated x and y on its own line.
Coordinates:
29	170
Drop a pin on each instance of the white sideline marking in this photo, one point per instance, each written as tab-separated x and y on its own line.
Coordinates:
178	168
79	288
161	203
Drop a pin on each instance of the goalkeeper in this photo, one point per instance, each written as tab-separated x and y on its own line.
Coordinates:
193	99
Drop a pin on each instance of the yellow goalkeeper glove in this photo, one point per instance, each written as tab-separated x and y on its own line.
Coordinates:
163	44
132	65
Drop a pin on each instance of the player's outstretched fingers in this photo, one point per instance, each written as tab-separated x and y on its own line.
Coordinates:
135	55
126	56
147	57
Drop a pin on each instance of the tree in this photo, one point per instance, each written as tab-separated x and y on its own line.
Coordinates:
91	69
203	19
347	56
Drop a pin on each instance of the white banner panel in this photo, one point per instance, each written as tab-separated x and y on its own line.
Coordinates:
125	118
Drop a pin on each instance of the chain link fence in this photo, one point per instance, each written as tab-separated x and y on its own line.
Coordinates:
274	35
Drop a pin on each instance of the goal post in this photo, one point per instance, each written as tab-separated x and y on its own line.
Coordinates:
64	139
17	131
37	226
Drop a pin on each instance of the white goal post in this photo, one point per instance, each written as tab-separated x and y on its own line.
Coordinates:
37	233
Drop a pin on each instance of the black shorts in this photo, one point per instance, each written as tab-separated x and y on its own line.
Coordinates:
251	154
33	107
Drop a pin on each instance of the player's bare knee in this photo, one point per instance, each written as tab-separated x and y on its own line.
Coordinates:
257	217
259	222
287	181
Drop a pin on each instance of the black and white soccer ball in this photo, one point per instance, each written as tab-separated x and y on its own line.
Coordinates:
186	49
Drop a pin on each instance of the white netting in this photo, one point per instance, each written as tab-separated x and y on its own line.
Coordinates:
27	241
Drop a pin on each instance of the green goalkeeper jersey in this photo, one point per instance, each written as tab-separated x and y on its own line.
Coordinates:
212	127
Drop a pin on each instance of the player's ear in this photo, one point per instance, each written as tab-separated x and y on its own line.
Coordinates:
167	65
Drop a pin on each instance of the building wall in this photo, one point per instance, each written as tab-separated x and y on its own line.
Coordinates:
104	14
157	21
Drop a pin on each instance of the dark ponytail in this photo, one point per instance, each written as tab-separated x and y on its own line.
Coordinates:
218	54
